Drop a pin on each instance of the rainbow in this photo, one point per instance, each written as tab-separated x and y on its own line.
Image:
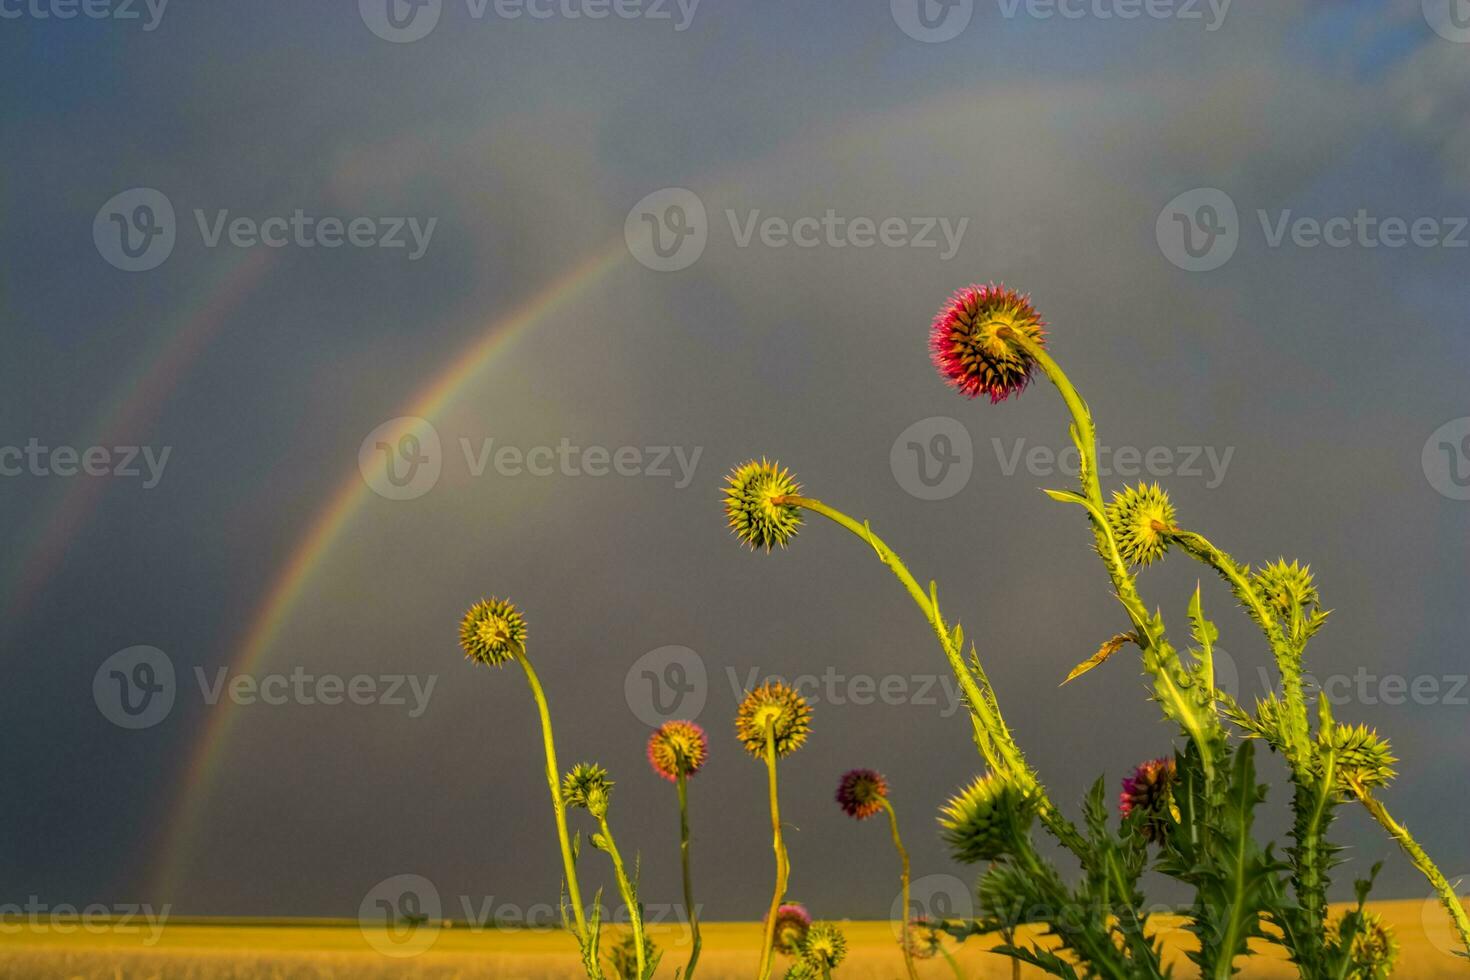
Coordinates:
286	590
135	405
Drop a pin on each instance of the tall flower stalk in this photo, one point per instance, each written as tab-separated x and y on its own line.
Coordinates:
773	721
763	505
677	750
587	787
863	793
493	632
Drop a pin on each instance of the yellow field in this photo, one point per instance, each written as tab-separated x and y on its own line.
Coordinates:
201	951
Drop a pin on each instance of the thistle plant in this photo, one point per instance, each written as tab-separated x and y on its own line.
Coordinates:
1190	815
677	750
587	787
492	633
773	721
792	923
863	793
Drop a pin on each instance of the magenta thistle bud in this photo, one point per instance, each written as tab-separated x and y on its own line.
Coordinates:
677	748
861	793
792	923
969	347
1148	791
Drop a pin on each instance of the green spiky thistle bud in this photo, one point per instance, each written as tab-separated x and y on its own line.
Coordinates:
492	632
1288	590
800	971
1363	756
623	956
776	706
985	820
823	947
754	506
1373	950
588	787
1139	517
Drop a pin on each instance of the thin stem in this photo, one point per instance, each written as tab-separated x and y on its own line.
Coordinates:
1015	966
993	736
1419	859
630	897
783	869
689	908
903	857
553	779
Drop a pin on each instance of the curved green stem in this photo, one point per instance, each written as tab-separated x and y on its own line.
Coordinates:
630	897
689	908
992	735
783	868
1419	859
903	857
553	779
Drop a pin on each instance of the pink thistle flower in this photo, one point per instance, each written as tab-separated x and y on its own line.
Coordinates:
677	747
970	353
1148	790
861	792
793	922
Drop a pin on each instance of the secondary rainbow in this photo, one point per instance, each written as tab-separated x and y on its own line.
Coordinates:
289	585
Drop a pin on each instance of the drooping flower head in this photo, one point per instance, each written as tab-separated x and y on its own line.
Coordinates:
925	940
1360	755
1373	950
861	792
588	787
677	747
492	632
985	819
1149	791
753	495
792	923
778	707
824	947
970	353
1139	517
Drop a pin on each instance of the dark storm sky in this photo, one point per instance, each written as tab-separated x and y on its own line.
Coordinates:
1314	375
